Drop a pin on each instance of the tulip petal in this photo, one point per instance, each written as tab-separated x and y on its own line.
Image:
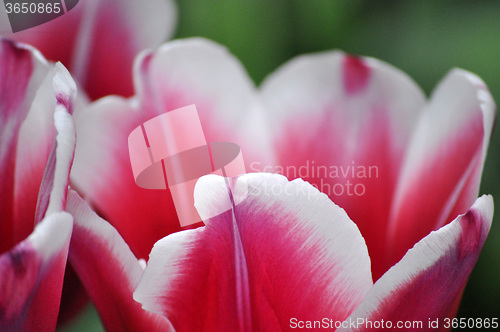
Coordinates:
54	187
285	250
31	134
427	283
442	169
103	175
22	70
180	73
98	40
201	72
31	277
109	271
343	123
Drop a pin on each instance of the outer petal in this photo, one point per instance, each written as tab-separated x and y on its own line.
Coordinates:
109	271
343	124
428	282
178	74
98	40
54	186
201	72
442	170
22	71
32	272
102	174
35	139
31	277
284	251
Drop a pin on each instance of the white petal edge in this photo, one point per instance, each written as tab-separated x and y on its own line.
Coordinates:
421	257
308	82
66	140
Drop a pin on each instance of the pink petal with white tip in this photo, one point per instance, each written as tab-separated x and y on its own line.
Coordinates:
284	251
343	123
98	40
31	277
22	71
178	74
428	282
109	271
54	186
442	169
33	270
103	175
200	72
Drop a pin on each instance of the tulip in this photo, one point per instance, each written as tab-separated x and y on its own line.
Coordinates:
423	159
98	39
102	173
34	176
288	257
418	225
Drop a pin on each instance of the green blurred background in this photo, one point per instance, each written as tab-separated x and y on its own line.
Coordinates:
423	38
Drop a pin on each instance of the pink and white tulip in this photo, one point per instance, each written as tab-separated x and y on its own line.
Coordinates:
98	40
429	154
178	74
413	235
287	255
36	151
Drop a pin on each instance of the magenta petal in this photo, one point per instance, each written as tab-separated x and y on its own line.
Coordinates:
442	169
22	70
31	277
343	123
98	40
428	282
109	271
180	73
201	72
103	175
29	120
287	251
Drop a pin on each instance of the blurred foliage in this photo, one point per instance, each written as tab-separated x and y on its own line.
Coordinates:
423	38
88	320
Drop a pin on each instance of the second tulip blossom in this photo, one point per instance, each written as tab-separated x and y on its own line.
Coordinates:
277	256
